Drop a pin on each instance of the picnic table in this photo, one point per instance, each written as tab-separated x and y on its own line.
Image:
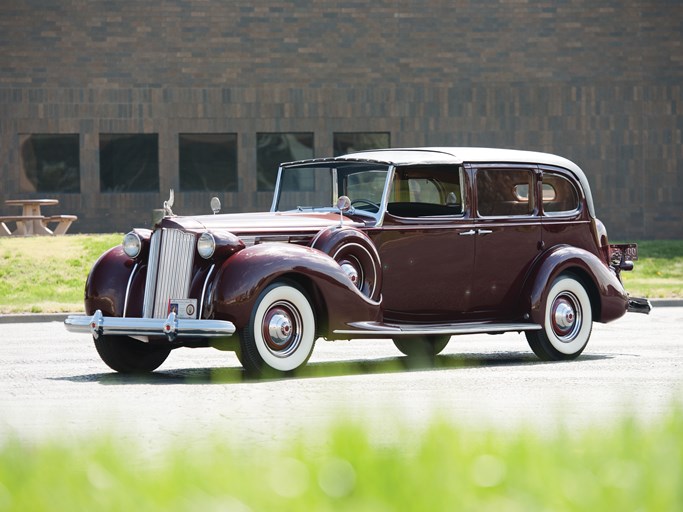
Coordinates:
32	221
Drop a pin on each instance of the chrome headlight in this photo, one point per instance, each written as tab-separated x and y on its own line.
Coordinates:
132	245
206	245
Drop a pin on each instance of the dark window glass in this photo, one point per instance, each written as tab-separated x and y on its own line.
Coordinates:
129	162
208	161
50	163
272	149
559	195
504	192
359	141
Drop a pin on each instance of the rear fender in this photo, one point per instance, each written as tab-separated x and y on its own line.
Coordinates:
608	297
244	275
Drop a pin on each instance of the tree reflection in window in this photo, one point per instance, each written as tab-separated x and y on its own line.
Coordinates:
272	149
50	163
359	141
129	162
208	161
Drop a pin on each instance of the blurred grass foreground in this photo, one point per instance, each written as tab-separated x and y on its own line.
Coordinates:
630	467
47	274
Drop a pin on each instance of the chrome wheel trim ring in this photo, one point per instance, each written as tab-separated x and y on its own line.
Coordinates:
281	329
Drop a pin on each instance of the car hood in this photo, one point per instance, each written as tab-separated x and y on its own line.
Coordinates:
254	223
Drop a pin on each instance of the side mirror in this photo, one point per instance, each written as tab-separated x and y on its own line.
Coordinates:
215	205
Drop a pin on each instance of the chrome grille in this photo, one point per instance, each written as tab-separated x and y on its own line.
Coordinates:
171	255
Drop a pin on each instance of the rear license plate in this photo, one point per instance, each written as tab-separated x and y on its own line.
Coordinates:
627	252
183	308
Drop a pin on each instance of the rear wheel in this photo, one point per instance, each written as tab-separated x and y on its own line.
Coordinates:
568	321
128	355
281	332
421	347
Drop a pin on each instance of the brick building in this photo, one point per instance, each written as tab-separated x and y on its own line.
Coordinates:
107	105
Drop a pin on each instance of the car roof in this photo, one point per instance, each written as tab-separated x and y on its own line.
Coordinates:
461	155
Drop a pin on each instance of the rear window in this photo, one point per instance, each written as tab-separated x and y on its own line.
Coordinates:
561	196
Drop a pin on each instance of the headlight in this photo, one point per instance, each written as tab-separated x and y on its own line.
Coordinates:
206	245
132	245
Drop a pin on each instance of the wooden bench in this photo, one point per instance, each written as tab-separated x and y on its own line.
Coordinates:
24	224
63	222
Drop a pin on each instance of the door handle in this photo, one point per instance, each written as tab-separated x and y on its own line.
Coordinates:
484	231
468	233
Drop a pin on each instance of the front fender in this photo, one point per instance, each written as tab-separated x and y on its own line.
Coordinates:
105	288
610	300
244	275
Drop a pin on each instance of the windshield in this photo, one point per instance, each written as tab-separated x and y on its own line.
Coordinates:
318	186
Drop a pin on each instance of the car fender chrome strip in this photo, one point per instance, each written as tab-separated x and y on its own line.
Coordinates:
206	282
130	280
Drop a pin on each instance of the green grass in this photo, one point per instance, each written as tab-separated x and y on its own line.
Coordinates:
630	467
659	271
47	274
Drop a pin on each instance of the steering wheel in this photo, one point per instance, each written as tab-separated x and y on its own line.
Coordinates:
366	202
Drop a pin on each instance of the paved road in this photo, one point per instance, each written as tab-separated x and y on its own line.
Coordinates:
52	383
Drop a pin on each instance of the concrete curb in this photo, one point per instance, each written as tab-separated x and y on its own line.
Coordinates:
30	318
27	318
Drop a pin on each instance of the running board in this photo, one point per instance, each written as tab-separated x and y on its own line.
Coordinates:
380	329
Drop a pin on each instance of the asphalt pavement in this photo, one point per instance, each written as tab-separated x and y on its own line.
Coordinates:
53	384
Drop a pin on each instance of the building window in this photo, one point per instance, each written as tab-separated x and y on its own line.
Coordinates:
129	162
359	141
274	148
208	161
50	163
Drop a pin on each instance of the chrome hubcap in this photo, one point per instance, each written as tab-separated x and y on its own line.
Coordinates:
566	317
350	271
281	329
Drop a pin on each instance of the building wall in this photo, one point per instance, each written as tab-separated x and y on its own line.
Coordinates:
599	83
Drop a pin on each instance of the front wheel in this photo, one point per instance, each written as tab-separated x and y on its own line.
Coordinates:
127	355
568	321
281	332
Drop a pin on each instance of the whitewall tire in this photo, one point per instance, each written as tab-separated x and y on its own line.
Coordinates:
568	321
280	335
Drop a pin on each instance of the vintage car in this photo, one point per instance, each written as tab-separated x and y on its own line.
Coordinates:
413	245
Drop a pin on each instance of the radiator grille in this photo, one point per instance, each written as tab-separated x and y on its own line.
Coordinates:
171	255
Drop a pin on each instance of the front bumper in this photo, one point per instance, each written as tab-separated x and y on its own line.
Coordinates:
171	327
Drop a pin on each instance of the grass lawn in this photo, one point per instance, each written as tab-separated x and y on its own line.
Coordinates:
47	274
658	272
629	467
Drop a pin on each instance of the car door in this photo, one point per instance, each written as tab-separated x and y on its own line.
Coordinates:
508	237
427	264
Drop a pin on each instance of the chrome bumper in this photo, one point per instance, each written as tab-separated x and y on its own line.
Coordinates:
171	327
636	305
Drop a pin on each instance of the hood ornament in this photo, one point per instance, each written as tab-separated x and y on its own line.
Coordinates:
168	205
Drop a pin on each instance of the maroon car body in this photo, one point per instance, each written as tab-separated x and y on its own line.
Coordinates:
415	245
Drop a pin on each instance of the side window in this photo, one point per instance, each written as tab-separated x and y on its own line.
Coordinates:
505	192
559	194
430	191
